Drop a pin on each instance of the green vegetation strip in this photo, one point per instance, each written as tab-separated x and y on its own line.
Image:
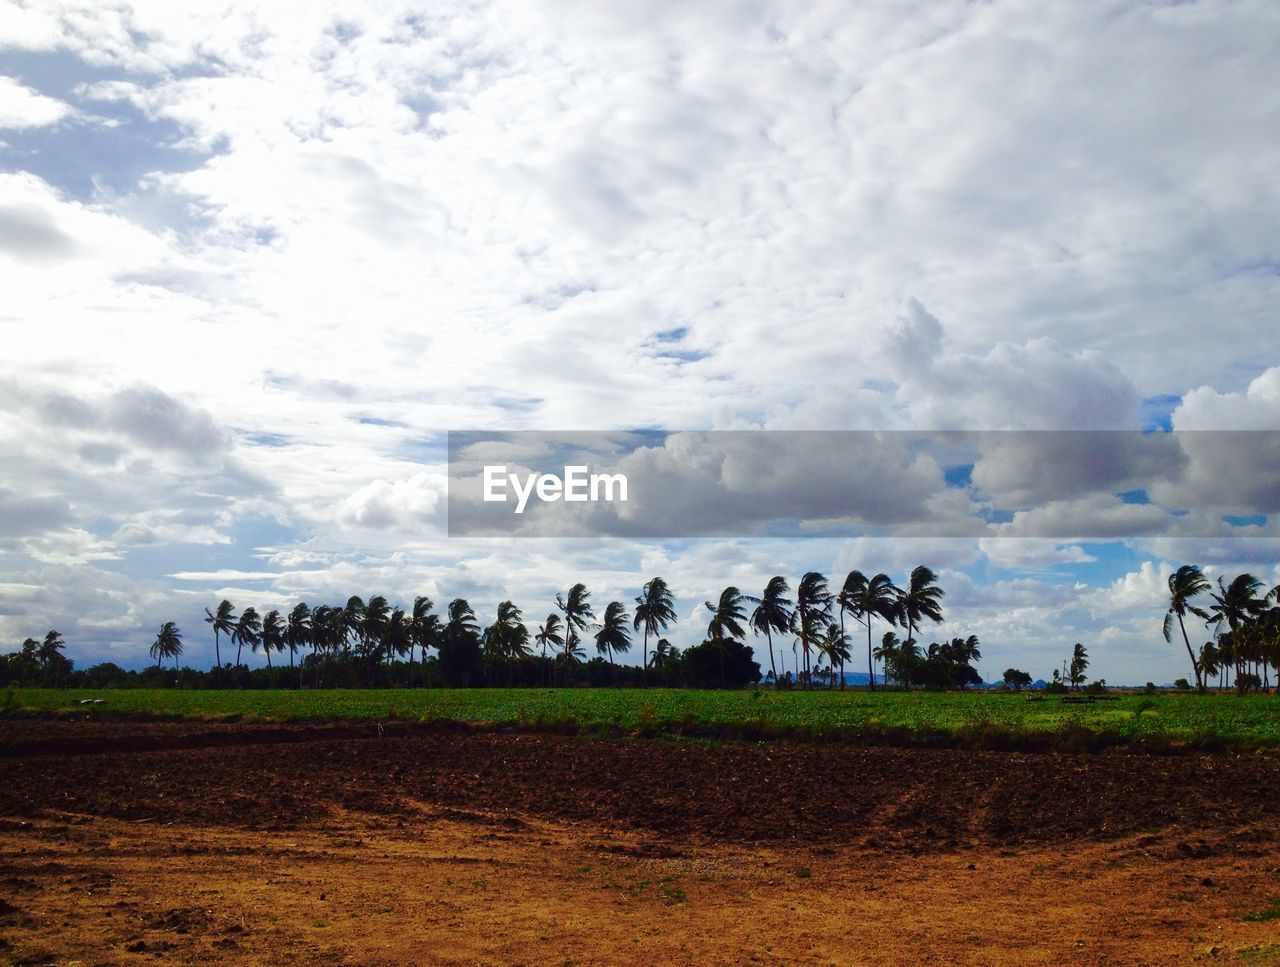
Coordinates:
992	719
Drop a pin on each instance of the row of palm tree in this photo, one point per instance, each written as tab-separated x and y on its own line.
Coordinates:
375	631
1245	619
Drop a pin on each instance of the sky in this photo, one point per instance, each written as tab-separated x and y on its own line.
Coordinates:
258	260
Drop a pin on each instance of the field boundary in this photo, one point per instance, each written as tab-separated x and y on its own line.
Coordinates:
256	730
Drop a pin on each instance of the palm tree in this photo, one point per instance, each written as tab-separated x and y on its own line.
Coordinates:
772	613
654	611
921	599
1079	662
664	655
459	642
577	614
871	598
424	630
813	604
907	658
1236	604
727	618
272	637
49	654
887	653
398	636
248	630
168	644
297	632
374	626
224	622
1184	584
507	638
834	644
549	635
613	636
1208	664
352	621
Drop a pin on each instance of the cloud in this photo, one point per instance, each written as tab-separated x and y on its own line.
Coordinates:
21	107
1036	385
408	505
1257	408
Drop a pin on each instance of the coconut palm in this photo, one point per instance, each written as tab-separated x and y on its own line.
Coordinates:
424	630
297	631
549	634
1236	604
921	599
727	618
50	649
577	615
549	637
887	654
772	613
1208	664
374	625
224	623
272	637
248	630
459	646
834	645
507	639
168	644
1184	584
49	654
613	636
813	605
871	598
398	636
654	611
352	622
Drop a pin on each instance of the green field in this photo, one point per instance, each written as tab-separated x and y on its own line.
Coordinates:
980	718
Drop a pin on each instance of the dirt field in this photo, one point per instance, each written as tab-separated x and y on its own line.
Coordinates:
146	843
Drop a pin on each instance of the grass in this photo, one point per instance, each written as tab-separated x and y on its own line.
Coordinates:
983	719
1266	915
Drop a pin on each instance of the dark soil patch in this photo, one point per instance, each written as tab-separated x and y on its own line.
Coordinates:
901	798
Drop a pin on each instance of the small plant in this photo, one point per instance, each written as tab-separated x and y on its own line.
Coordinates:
1265	915
803	872
673	895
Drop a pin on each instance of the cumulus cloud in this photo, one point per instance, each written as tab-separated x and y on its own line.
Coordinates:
409	505
1038	384
1257	408
21	107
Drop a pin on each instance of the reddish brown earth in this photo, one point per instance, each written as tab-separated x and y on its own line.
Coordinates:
141	842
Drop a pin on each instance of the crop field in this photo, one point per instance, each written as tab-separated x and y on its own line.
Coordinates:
975	717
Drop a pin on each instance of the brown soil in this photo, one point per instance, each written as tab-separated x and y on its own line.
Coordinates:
164	842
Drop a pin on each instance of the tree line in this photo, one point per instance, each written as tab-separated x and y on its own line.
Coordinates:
373	642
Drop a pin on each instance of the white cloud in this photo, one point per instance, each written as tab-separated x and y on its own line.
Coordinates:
21	107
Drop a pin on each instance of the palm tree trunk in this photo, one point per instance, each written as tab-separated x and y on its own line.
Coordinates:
768	633
217	655
644	666
1195	666
871	669
842	646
